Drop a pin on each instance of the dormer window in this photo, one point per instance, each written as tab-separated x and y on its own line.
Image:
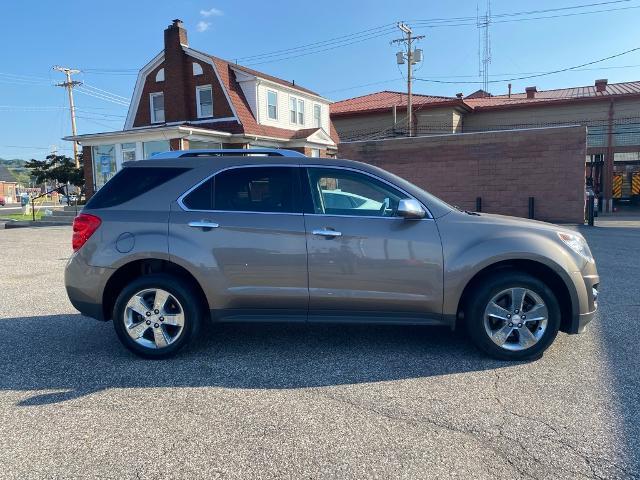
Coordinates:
272	104
296	110
317	116
204	99
156	101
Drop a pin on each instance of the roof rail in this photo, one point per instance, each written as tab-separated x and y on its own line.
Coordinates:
229	152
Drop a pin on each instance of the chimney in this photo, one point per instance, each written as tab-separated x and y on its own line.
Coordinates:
601	85
459	95
176	107
175	35
509	90
531	92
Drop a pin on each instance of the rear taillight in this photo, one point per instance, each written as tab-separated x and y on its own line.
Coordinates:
84	225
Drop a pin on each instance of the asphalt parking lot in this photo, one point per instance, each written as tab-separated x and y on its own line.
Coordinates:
298	401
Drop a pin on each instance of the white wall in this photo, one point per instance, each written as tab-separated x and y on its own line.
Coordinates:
283	108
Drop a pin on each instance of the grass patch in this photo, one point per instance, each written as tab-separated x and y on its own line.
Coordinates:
19	216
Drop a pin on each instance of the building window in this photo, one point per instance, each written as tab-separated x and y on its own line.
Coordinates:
317	116
155	146
272	104
160	75
157	107
315	152
197	69
104	164
293	110
204	100
128	152
300	112
200	145
296	107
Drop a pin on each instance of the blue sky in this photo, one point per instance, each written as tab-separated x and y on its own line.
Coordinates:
110	39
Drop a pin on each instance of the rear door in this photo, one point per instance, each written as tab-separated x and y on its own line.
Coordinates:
365	262
243	231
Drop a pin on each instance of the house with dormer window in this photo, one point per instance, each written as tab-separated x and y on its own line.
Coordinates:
186	99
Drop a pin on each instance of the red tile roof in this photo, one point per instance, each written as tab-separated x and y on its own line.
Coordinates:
385	100
552	96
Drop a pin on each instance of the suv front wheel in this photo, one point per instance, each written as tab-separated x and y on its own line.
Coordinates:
155	316
513	316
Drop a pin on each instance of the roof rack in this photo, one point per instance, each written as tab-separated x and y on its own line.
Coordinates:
229	152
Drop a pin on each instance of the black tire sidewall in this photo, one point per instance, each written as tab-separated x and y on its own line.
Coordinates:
176	287
493	285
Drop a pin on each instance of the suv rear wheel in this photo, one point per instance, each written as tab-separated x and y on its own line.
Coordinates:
155	316
513	316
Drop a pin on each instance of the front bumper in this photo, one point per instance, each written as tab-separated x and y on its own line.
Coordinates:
85	286
586	285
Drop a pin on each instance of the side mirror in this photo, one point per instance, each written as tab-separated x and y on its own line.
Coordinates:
410	208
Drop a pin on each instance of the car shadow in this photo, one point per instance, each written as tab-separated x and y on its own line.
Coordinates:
71	356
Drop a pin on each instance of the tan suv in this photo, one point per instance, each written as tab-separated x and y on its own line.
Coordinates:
190	236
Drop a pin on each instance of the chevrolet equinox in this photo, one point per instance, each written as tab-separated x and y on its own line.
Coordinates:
254	235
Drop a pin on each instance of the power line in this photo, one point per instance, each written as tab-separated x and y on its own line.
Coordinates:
106	92
390	27
378	35
626	52
103	97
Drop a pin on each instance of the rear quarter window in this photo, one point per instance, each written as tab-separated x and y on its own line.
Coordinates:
130	183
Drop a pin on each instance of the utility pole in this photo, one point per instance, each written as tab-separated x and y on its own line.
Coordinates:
412	58
69	84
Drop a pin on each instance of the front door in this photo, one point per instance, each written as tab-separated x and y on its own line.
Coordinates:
243	232
365	262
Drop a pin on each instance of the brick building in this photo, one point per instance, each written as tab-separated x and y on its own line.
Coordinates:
186	99
8	185
611	113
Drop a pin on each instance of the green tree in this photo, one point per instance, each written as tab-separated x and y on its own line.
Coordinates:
57	168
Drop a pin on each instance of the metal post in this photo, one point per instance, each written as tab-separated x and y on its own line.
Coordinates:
531	207
33	210
590	208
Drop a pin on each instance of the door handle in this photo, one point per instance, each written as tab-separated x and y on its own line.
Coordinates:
203	224
325	232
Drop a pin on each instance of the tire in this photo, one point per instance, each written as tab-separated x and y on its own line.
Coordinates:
491	316
158	335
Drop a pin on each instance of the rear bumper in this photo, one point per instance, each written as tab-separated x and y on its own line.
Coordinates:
85	285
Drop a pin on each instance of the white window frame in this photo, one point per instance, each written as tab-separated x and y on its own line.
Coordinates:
293	102
153	111
124	150
315	153
298	108
301	111
268	105
317	107
199	89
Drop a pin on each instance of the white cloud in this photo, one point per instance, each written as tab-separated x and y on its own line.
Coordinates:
203	26
212	12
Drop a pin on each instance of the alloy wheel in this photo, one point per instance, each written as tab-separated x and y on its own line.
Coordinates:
516	318
154	318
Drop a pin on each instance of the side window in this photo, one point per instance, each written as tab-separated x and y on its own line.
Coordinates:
249	189
256	189
344	192
201	198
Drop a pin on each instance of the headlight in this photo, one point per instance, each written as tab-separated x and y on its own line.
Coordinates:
577	243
